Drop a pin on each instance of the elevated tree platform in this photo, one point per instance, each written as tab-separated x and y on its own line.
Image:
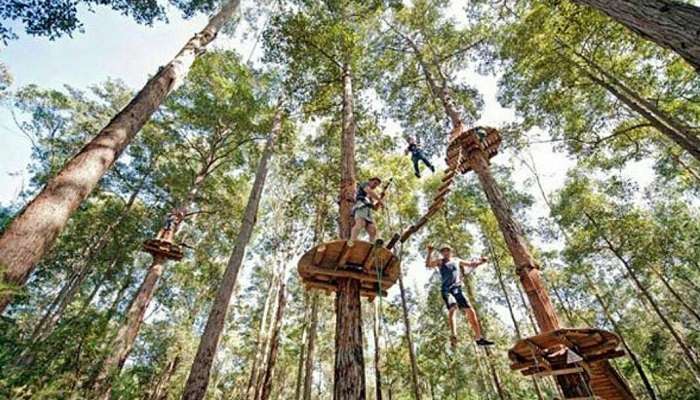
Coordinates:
163	248
467	141
574	351
374	266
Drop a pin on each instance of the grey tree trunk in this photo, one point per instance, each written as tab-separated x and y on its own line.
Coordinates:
310	349
274	347
30	236
198	379
674	25
260	341
409	338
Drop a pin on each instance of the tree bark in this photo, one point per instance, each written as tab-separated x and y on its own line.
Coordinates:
160	391
274	347
30	236
349	382
124	341
310	348
54	312
266	345
526	267
409	338
674	25
675	293
198	379
302	350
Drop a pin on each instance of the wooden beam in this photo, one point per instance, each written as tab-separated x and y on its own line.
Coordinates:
565	371
345	253
331	287
344	273
318	255
371	257
393	241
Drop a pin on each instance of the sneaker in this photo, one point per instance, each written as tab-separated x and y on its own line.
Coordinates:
484	342
453	342
432	168
417	175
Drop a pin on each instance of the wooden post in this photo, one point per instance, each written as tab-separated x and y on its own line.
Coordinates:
526	266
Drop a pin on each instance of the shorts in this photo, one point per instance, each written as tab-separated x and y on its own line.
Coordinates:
455	297
365	213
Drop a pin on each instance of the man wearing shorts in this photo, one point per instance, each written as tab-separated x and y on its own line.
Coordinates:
451	276
362	210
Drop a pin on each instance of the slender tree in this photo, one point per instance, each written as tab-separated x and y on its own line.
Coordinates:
33	232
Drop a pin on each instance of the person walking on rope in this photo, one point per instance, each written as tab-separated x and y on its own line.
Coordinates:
417	156
362	210
452	294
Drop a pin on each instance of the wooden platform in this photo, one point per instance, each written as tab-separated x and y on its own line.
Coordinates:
468	141
163	248
574	351
322	265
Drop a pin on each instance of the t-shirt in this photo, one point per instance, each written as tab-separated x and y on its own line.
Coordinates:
414	149
450	273
361	194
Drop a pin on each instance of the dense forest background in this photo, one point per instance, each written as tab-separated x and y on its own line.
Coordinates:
251	147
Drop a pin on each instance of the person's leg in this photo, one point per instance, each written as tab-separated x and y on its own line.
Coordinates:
371	231
427	162
416	169
359	226
473	322
451	315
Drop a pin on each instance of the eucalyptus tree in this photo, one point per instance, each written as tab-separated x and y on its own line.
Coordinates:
603	222
33	232
214	114
606	95
670	24
323	46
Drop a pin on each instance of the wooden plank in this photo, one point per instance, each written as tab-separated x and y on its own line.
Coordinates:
449	174
318	255
566	371
345	253
371	258
345	273
331	287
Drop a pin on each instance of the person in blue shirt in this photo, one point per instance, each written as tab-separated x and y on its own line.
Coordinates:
451	270
417	156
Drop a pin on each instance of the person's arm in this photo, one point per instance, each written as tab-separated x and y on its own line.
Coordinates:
473	263
373	195
429	261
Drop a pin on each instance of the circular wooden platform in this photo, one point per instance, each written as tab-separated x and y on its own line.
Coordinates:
467	141
374	266
549	352
163	248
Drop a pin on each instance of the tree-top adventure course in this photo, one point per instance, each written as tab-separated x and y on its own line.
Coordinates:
288	199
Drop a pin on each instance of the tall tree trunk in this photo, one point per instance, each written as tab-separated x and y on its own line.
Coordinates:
675	130
630	353
675	293
310	348
260	341
54	312
302	350
160	391
674	25
198	379
526	266
274	348
501	283
376	331
30	236
126	336
266	345
349	380
632	274
409	338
